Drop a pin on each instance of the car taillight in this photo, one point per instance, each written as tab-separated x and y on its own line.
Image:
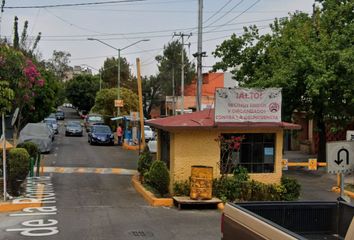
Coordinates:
222	223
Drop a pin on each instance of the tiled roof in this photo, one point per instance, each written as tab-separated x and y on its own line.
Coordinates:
205	119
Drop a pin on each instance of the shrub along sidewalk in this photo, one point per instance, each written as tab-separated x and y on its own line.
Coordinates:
153	182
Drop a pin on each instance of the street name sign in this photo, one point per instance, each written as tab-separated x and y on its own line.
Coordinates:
340	156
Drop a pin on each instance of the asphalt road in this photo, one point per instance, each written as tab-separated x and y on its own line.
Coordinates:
102	204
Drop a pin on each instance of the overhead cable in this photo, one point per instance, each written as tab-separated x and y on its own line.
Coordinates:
72	4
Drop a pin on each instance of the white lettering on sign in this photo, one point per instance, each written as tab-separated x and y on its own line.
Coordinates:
248	105
37	227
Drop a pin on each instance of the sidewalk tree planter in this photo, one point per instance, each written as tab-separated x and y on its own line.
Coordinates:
18	163
34	153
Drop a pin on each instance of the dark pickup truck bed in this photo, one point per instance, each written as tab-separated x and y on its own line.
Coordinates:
287	220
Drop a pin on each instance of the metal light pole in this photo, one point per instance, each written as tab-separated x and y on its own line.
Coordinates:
118	49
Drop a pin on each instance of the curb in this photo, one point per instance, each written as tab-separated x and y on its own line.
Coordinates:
149	196
337	190
18	206
129	147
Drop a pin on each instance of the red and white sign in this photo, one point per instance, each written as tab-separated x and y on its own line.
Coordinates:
247	105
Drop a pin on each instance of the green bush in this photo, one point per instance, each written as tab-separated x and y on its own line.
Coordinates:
241	174
240	188
144	162
181	188
292	189
158	177
18	167
31	148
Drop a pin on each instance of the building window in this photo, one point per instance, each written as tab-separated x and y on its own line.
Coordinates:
255	152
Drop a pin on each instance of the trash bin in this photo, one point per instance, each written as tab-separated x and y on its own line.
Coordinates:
201	183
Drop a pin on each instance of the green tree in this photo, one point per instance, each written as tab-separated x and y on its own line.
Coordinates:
6	96
309	57
152	94
81	91
59	64
110	74
104	102
23	44
169	65
16	40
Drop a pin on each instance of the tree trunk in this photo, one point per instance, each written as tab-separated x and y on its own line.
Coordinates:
321	154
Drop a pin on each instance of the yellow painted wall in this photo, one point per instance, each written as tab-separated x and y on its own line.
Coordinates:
197	147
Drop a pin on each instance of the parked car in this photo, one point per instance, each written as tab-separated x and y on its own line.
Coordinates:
53	124
38	133
60	115
92	119
149	134
73	129
100	134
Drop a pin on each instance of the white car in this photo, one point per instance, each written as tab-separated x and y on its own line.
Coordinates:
149	134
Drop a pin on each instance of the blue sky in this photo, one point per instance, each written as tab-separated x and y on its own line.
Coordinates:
121	24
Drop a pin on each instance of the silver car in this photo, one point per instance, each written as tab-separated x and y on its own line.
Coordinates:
52	123
38	133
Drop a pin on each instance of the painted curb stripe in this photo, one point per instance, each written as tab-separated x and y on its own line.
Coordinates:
116	171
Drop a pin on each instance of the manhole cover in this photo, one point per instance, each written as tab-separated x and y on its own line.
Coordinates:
141	234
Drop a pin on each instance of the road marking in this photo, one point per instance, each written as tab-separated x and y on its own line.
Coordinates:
115	171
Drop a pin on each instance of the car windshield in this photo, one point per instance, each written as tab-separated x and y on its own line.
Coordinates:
95	119
73	126
60	113
147	128
101	129
50	120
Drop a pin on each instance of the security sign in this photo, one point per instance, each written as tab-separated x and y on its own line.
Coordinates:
340	157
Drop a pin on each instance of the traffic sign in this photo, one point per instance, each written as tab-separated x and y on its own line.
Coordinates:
118	103
14	117
340	156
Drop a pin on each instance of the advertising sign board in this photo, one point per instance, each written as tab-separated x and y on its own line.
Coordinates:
248	105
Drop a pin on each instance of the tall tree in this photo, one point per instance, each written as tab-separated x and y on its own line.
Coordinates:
169	65
104	102
59	63
81	91
110	74
309	57
151	94
16	40
6	96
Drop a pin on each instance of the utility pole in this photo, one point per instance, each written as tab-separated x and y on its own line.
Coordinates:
173	92
199	56
182	35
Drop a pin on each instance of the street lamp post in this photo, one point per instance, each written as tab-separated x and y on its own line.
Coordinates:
118	50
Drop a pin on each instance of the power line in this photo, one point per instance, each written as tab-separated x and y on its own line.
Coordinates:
72	4
220	9
225	13
152	32
244	11
71	24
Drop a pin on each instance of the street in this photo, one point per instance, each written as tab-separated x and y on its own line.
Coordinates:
100	202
